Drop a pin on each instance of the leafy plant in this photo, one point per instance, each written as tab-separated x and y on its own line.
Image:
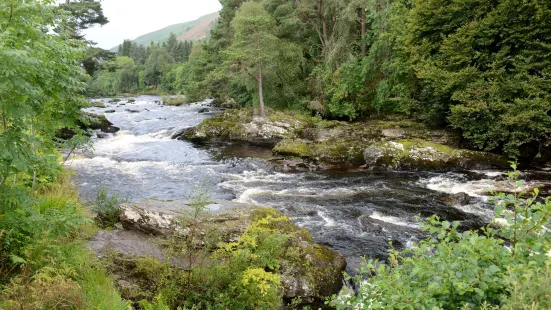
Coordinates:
107	206
472	269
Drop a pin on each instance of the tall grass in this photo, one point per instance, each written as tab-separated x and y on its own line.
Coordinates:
44	260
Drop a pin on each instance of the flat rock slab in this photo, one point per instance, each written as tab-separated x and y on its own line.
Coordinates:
161	217
180	207
126	243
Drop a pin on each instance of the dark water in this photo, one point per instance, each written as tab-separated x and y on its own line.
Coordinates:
355	213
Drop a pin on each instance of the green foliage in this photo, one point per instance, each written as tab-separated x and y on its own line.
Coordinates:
40	80
258	60
486	62
138	69
44	260
224	275
449	63
494	267
107	206
83	15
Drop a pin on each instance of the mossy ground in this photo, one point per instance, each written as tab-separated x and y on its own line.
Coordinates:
296	148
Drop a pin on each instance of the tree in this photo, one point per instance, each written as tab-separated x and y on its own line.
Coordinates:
127	75
256	48
156	65
84	14
485	68
40	79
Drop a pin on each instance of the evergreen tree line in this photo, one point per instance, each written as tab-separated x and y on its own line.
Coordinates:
137	68
480	67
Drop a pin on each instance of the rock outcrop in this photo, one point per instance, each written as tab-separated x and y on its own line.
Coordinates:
377	144
419	154
312	273
88	121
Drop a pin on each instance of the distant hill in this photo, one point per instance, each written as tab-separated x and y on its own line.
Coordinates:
192	31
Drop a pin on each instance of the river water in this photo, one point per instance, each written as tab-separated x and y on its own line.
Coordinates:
356	213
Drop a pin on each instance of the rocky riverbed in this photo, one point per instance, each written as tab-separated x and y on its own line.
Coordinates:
353	187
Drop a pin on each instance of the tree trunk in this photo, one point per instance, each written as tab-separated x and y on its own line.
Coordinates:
260	92
363	21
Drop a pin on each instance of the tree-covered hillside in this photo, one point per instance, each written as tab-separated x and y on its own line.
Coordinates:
480	67
194	30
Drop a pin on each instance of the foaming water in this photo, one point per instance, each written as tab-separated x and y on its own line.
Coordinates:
355	213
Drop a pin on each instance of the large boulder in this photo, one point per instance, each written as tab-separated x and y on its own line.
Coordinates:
88	121
242	125
178	134
417	154
159	217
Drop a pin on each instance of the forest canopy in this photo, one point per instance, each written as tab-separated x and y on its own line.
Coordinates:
480	67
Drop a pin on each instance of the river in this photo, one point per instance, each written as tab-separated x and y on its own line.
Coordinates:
355	212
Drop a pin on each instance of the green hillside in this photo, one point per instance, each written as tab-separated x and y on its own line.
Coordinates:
193	30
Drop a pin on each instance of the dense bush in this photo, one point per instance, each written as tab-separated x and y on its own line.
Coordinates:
238	275
504	265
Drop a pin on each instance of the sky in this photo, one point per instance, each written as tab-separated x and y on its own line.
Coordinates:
129	19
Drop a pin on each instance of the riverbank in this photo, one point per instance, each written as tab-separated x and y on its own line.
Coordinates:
378	144
204	253
45	262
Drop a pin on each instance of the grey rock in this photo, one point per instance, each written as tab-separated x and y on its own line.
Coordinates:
111	129
179	133
394	133
160	217
459	199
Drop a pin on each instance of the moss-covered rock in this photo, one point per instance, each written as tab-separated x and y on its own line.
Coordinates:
395	143
297	148
241	125
417	154
308	271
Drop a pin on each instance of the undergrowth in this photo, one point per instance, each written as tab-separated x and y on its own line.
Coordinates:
44	259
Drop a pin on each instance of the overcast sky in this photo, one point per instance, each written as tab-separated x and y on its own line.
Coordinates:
129	19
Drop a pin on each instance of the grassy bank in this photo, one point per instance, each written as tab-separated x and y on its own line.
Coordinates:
44	259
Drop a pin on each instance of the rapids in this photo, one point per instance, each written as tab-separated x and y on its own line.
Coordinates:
356	213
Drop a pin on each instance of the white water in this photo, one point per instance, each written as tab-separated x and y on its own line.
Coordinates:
338	208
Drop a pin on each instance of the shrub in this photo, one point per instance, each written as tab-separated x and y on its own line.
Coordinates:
493	267
114	100
107	207
131	100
